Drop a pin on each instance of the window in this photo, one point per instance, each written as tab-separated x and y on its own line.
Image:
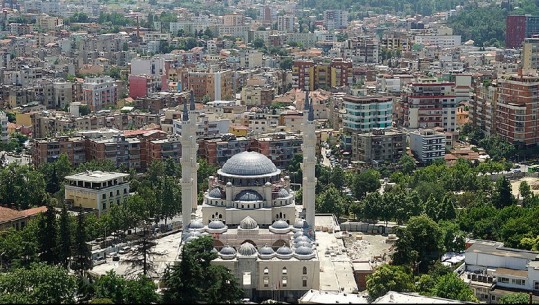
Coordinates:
104	205
304	270
284	282
304	282
503	280
104	196
266	270
266	282
518	282
536	285
284	270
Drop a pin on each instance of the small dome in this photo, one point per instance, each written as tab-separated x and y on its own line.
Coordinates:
299	223
216	225
248	223
301	238
194	234
283	193
284	250
303	244
266	250
249	163
215	193
228	250
280	224
196	224
249	195
298	234
214	251
304	251
247	249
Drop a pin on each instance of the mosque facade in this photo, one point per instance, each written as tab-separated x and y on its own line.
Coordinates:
250	211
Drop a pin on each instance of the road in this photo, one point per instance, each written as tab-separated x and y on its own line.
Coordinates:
23	159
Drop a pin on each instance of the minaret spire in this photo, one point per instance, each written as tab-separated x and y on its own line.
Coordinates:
309	164
185	113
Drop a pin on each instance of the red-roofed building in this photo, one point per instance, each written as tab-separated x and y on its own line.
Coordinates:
10	218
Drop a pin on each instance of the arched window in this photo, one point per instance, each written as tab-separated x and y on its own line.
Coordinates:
304	270
220	215
266	270
284	270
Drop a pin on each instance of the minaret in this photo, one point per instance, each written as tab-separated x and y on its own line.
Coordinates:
309	163
189	164
193	123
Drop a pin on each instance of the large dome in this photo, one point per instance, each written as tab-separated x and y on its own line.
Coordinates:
249	163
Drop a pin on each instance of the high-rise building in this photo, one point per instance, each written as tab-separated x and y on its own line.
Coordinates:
285	23
428	105
99	92
3	127
518	28
530	54
364	113
517	110
335	19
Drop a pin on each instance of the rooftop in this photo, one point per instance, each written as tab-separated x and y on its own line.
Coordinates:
95	176
493	249
7	214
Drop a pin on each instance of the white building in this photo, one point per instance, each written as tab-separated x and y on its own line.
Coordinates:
335	19
285	23
96	190
99	92
148	65
427	145
206	128
493	270
3	127
250	212
443	41
367	112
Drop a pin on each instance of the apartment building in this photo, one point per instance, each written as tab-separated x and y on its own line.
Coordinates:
48	150
99	92
428	105
364	113
517	110
257	95
361	49
206	127
48	23
285	23
442	41
519	28
492	271
427	145
3	127
121	151
279	147
144	85
482	111
530	54
335	19
378	145
215	85
96	190
308	75
218	151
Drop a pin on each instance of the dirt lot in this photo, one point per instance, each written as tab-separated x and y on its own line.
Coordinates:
370	247
533	182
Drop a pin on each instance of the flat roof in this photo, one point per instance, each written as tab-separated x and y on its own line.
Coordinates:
511	272
479	247
412	298
95	176
330	297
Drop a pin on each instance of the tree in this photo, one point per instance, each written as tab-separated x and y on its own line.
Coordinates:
502	196
330	201
337	177
407	164
82	255
64	238
111	286
515	298
286	63
38	284
367	181
47	236
453	238
525	192
195	280
420	242
142	255
450	286
389	278
141	291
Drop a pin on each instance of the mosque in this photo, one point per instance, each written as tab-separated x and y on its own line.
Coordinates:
251	213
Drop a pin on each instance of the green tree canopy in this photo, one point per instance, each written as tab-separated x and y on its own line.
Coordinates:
450	286
389	278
